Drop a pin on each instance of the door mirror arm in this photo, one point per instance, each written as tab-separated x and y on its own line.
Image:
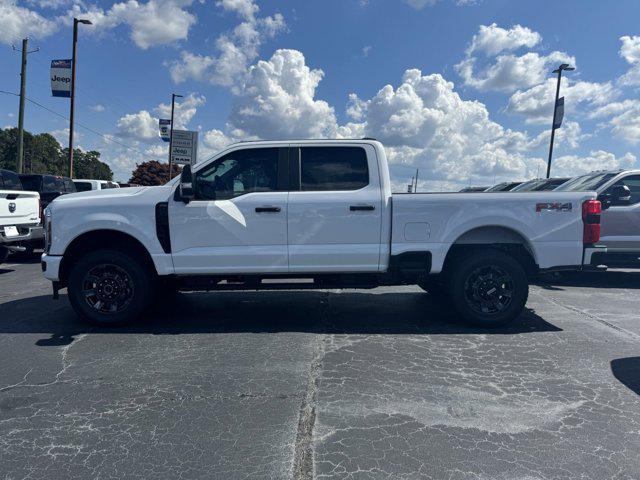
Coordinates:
187	185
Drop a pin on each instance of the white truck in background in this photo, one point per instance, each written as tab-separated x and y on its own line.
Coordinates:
20	221
260	214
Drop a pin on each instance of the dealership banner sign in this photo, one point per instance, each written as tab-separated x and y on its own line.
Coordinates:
61	78
559	113
184	147
165	129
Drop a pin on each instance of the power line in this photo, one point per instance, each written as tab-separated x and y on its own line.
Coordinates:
95	132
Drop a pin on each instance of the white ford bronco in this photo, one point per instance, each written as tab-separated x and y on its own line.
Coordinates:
265	215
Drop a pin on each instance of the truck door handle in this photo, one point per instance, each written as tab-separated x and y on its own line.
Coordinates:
357	208
267	209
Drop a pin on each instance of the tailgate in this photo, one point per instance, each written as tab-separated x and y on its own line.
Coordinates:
19	208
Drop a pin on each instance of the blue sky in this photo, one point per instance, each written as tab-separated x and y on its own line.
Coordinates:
468	90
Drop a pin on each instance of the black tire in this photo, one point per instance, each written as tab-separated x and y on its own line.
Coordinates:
105	278
4	254
488	287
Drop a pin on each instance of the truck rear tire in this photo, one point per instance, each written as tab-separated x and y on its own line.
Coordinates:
109	288
488	287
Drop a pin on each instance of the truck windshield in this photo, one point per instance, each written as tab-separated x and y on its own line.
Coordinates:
586	183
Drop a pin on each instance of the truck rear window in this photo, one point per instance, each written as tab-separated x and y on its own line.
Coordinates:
82	186
10	181
31	182
333	168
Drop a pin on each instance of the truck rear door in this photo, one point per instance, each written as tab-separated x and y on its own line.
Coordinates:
335	209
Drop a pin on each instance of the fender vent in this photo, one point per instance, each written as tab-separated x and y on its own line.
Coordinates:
162	226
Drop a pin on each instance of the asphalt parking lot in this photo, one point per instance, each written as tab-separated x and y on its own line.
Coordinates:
322	384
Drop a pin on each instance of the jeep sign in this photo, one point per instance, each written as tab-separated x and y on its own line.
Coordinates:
61	78
184	147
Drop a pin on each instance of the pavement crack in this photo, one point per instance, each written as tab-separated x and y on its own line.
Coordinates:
303	450
593	317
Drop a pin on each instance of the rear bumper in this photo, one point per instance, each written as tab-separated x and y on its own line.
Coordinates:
51	266
27	233
590	256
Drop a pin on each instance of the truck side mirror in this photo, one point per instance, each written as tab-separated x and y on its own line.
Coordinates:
621	195
187	190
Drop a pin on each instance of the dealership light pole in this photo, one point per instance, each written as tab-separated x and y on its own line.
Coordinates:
73	88
555	123
173	105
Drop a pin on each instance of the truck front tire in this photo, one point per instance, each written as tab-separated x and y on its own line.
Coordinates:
488	287
109	288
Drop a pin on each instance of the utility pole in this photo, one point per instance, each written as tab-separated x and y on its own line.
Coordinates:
554	125
73	89
173	105
415	188
23	88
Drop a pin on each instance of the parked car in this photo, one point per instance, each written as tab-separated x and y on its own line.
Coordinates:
260	214
49	187
84	185
503	187
540	185
20	222
473	189
619	192
125	185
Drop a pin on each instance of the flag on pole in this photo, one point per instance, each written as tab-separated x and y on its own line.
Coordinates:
559	113
165	129
61	78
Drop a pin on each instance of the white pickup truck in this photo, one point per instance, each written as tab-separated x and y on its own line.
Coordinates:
266	215
20	221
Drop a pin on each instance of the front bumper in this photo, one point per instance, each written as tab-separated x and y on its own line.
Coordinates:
26	233
51	266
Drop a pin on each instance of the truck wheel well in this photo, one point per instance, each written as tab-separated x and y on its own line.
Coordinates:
500	238
97	239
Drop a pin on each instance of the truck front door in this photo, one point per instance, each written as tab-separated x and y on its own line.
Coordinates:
237	222
335	209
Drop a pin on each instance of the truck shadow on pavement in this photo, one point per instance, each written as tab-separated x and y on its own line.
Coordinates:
608	279
627	371
316	312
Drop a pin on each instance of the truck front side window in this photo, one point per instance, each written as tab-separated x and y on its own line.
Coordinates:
239	173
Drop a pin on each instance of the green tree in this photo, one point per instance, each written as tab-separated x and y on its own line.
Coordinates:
88	165
153	173
43	154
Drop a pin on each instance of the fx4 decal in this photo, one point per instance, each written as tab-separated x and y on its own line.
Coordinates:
554	206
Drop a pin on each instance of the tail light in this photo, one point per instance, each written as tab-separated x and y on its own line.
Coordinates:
591	210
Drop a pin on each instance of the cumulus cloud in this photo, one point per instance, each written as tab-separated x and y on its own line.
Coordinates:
630	51
536	103
277	100
140	126
570	165
492	39
511	72
235	50
507	72
425	124
623	118
19	22
143	127
157	22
